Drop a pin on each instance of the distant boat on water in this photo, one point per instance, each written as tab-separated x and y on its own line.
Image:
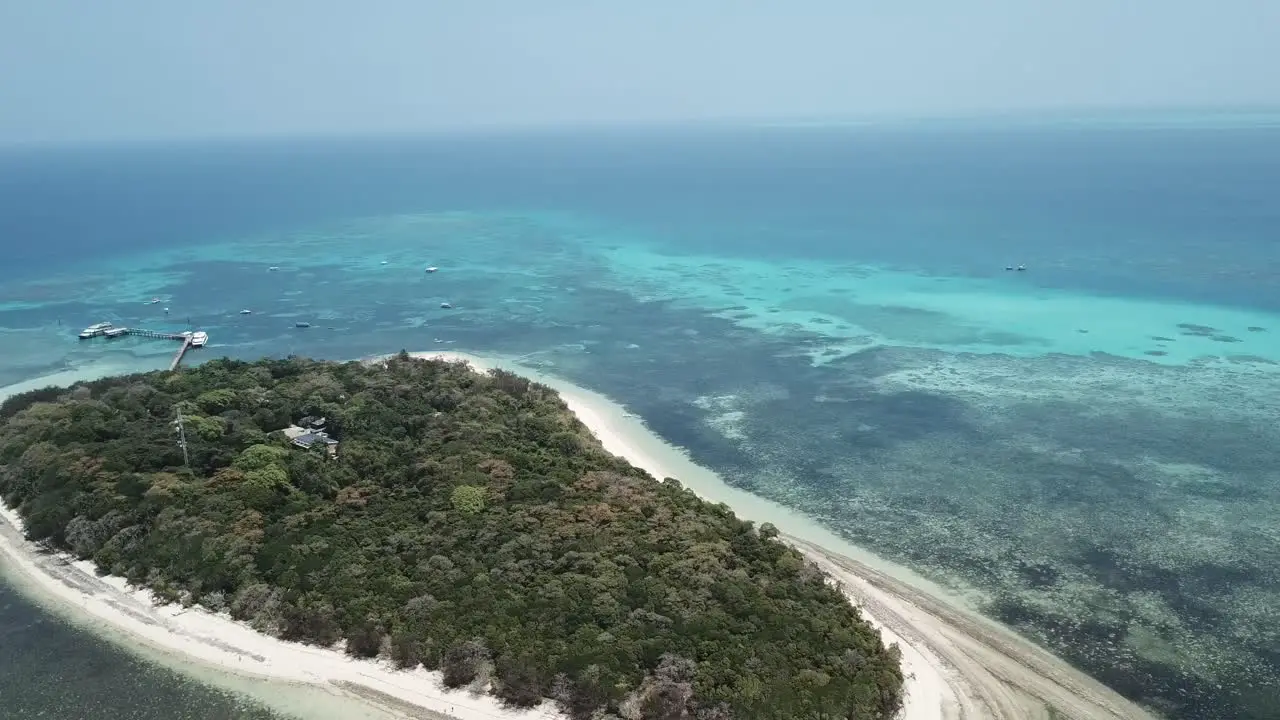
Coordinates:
446	305
432	269
302	324
246	312
273	268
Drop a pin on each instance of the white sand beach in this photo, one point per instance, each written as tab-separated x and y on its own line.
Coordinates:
958	664
341	688
361	688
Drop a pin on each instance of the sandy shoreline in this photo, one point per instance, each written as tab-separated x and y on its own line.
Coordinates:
958	665
231	647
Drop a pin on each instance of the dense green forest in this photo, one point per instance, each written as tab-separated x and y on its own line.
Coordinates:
466	522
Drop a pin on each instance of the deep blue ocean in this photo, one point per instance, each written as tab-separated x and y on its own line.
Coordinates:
822	314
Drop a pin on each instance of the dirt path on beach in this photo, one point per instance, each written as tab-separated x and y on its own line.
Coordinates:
990	671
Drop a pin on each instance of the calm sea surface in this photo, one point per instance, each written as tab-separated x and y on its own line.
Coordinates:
1088	448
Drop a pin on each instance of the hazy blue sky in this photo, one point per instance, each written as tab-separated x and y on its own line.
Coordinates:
84	69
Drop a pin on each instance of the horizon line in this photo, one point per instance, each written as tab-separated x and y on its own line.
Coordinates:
1101	117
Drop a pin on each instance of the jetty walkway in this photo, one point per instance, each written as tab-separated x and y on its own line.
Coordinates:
177	357
188	339
153	334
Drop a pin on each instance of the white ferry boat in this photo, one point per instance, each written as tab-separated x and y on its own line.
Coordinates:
94	330
199	338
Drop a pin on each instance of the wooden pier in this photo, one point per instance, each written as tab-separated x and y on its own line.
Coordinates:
177	358
158	335
188	339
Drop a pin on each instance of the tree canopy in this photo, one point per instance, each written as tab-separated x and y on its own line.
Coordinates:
468	523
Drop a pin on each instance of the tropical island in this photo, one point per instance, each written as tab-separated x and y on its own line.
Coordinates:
431	516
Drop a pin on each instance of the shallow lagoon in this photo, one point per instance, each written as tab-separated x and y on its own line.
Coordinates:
1085	450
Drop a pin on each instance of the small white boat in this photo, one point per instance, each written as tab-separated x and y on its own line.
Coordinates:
432	269
384	262
273	268
199	338
246	312
154	301
446	305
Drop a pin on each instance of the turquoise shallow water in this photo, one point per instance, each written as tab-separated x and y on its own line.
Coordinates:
1087	448
90	676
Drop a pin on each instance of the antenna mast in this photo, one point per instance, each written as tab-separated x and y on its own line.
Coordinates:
182	440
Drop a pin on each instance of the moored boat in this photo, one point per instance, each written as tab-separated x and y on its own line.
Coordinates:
95	330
